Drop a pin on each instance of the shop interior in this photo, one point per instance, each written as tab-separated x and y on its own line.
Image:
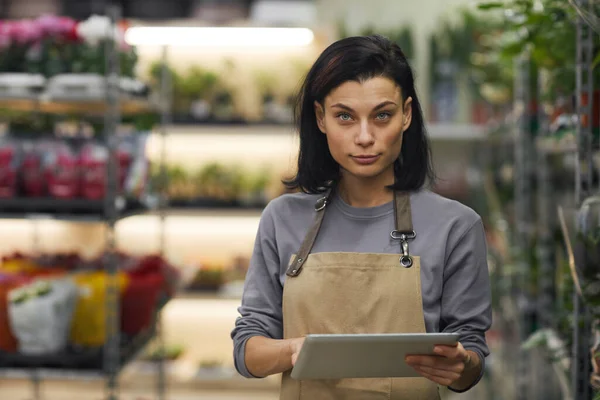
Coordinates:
142	140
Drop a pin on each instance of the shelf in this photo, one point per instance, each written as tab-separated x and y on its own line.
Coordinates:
553	146
19	104
92	106
214	204
76	210
74	106
49	374
84	365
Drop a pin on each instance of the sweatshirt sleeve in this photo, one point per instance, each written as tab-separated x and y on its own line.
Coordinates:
260	311
466	299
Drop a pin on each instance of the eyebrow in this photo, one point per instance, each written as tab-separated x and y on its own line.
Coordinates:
379	106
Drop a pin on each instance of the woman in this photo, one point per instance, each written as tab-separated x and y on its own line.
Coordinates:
327	260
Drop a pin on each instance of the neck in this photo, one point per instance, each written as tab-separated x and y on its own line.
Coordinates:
360	192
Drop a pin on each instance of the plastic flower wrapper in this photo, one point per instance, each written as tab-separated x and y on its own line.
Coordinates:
24	32
98	28
60	28
56	53
4	36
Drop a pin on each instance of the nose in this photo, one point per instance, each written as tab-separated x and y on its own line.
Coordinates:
364	137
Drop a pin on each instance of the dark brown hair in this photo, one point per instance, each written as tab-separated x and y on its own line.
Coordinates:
357	59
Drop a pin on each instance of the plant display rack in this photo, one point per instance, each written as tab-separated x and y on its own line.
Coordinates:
539	298
116	352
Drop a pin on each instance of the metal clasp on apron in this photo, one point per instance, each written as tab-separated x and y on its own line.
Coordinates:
405	259
321	203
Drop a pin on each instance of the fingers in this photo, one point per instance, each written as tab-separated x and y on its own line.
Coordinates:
437	369
440	372
296	346
439	363
437	379
453	352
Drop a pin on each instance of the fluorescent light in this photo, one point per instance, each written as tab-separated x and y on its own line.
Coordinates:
218	37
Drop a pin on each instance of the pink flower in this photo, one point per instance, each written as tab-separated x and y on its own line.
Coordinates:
57	27
49	24
25	31
4	35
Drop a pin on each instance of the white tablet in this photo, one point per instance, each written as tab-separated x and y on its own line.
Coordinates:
364	355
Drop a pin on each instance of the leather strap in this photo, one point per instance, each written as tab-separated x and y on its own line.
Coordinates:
403	212
403	224
309	240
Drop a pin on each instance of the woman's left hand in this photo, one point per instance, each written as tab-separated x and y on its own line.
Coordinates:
445	368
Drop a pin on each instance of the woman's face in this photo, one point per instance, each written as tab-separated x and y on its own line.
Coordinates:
364	123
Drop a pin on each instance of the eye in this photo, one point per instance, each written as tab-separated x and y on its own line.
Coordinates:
344	117
383	116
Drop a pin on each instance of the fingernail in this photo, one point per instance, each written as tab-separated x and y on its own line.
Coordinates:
437	350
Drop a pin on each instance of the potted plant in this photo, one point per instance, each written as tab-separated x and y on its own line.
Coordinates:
208	278
587	252
212	368
548	32
199	86
169	353
223	108
255	187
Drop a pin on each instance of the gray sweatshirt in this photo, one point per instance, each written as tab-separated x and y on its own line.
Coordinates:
450	242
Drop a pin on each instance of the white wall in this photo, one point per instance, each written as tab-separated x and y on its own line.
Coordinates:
32	8
423	15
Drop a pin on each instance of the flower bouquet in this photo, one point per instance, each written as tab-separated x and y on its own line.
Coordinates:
51	45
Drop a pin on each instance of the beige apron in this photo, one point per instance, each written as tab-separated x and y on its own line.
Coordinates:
355	293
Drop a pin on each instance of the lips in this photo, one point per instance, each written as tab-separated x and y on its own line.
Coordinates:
366	159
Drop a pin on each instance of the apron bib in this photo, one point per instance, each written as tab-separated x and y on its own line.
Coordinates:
337	293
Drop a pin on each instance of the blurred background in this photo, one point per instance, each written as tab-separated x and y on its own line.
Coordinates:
141	140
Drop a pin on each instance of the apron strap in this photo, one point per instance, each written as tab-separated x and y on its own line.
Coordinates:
403	231
403	213
309	240
403	224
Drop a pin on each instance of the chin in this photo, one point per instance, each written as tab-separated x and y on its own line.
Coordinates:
365	172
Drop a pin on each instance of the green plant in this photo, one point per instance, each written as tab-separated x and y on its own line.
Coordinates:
403	37
467	47
25	123
171	352
199	83
266	84
210	364
259	182
208	277
556	352
587	249
187	87
546	29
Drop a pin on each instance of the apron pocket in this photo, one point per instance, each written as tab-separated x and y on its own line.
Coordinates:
347	389
414	389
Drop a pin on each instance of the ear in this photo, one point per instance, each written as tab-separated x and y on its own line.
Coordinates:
320	115
407	114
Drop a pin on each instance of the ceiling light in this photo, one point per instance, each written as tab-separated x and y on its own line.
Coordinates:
218	36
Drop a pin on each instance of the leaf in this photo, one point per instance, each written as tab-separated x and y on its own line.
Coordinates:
535	340
596	61
491	5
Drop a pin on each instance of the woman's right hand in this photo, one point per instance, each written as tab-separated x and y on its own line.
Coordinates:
295	347
266	356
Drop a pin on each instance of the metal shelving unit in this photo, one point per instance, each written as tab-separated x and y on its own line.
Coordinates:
545	251
116	352
524	220
582	330
581	149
